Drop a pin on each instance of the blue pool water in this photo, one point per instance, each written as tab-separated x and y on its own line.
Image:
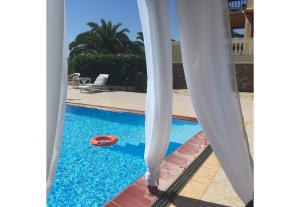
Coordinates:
90	176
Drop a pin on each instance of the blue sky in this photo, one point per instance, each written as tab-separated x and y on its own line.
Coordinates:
79	12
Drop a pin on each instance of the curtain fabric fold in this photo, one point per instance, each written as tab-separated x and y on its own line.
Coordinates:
56	83
155	21
206	53
210	75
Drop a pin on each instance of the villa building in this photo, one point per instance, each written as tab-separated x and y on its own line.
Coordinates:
241	17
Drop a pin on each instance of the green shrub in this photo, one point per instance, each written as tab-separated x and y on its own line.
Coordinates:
123	69
141	82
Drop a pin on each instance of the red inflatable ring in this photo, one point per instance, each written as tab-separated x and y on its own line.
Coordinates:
104	140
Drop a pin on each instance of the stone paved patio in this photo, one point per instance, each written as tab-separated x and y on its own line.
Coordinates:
209	186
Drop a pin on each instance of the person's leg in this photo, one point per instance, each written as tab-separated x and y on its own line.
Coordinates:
206	53
154	16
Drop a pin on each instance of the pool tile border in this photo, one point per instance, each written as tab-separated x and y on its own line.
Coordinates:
187	118
171	168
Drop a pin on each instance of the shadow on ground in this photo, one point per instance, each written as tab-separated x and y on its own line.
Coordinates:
183	201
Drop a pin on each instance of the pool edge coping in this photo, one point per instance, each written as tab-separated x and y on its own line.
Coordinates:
133	111
172	167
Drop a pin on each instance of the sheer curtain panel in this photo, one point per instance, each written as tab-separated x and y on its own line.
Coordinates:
210	75
155	21
56	83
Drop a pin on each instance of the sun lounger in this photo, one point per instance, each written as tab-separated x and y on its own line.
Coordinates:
98	85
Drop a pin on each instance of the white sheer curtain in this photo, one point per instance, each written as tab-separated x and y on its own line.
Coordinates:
56	82
206	53
154	16
206	50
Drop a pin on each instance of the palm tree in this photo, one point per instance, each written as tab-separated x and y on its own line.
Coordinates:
101	38
140	39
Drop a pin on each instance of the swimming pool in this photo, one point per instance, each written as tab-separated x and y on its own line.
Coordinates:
90	176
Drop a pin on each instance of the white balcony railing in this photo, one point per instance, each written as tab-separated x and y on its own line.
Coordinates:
242	46
242	51
237	4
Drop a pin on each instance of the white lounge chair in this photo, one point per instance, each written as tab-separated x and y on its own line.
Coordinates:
71	76
99	84
72	79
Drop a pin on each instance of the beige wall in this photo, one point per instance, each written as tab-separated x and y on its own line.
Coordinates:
250	4
248	28
248	25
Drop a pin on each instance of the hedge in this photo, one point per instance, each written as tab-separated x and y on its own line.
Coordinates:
123	69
